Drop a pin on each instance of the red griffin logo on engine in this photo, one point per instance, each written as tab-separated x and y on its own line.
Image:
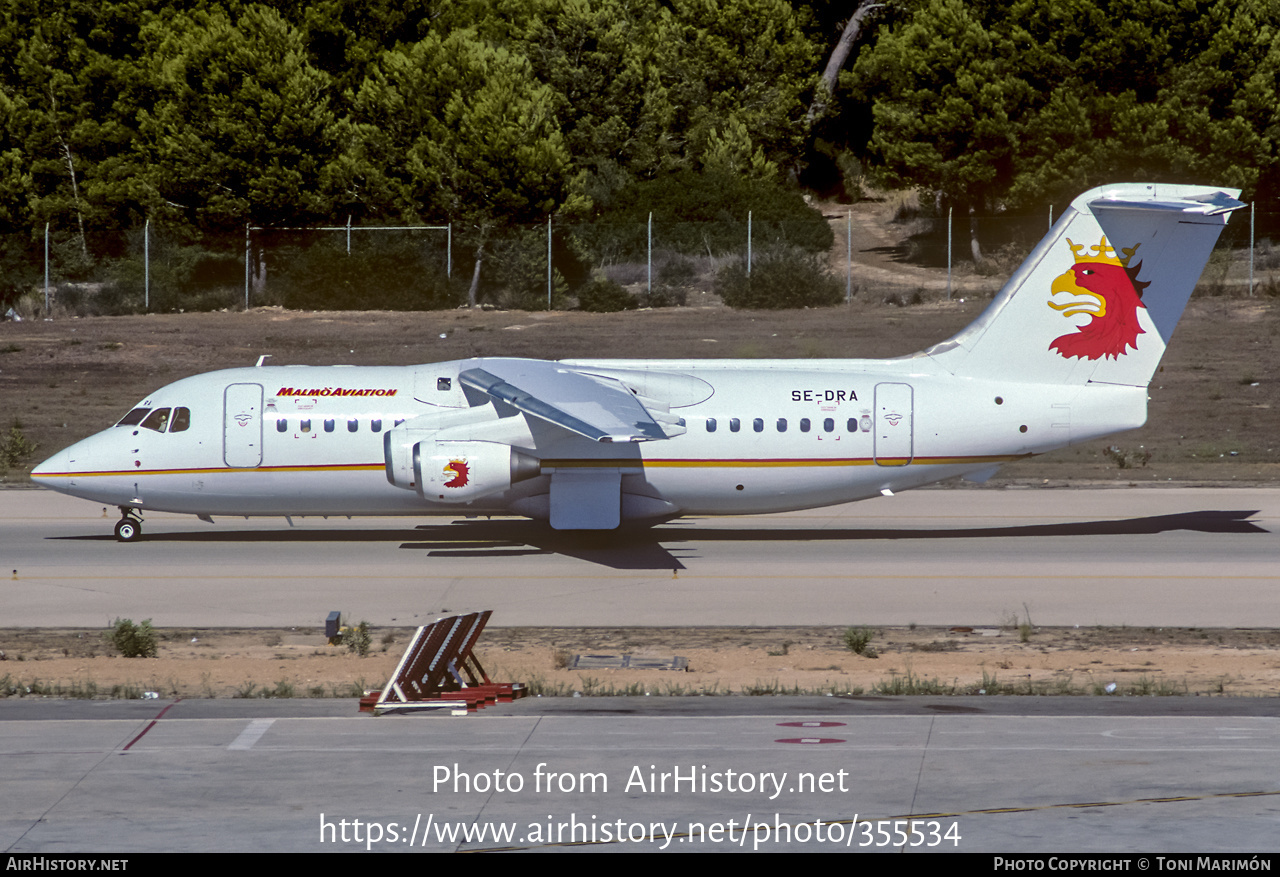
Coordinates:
1107	289
459	470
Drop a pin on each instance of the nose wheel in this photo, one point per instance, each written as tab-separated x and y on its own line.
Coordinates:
129	527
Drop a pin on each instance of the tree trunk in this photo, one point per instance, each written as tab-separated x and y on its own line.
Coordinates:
475	276
974	247
840	54
259	272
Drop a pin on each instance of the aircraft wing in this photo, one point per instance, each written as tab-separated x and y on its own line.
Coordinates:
598	407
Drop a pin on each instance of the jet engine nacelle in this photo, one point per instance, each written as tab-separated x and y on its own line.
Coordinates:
461	471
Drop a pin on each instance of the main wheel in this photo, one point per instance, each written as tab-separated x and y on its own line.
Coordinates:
128	530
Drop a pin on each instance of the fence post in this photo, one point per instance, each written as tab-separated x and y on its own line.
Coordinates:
649	275
348	234
748	243
146	265
848	261
246	266
1251	215
448	255
548	261
949	209
46	269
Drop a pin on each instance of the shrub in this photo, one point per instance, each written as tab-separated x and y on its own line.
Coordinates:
15	447
701	213
664	296
514	274
133	640
858	641
601	295
358	639
390	272
784	278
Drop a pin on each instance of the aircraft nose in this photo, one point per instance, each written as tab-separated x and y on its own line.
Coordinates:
43	474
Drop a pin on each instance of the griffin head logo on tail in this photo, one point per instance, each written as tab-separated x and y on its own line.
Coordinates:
1107	289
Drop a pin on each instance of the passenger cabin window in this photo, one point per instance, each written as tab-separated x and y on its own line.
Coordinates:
782	424
828	425
305	425
758	424
444	384
157	420
804	424
711	424
734	424
375	425
328	425
852	425
134	417
282	425
181	420
353	425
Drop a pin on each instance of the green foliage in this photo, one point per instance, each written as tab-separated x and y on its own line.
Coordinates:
15	447
601	295
858	641
664	296
702	214
205	117
358	639
518	276
185	276
240	128
382	272
1022	104
782	278
133	640
454	126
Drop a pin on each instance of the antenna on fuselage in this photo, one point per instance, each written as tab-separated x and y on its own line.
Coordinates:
262	359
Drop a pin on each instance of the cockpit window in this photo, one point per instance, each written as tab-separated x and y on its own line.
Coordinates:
134	417
157	420
181	420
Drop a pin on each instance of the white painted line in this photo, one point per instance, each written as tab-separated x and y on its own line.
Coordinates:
251	734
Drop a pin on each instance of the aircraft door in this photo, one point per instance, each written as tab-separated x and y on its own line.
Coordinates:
894	445
242	426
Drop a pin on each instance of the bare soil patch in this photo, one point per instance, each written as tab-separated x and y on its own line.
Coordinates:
721	661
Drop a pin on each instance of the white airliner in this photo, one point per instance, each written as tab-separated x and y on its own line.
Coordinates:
1063	355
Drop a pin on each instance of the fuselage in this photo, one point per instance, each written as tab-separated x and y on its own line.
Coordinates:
1063	354
760	436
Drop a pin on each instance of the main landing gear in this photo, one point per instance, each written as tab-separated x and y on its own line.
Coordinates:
129	528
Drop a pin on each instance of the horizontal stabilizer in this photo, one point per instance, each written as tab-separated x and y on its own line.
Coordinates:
1098	300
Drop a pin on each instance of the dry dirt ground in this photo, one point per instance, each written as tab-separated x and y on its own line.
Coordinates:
1214	418
721	661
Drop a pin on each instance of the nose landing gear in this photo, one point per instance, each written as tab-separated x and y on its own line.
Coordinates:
129	527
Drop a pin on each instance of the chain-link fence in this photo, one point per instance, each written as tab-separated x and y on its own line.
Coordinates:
847	253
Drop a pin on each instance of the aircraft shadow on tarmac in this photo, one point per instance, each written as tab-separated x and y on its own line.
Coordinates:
663	547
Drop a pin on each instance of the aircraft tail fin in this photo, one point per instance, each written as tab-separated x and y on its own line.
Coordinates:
1098	299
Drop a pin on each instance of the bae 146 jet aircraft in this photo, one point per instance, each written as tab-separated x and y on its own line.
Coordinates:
1063	355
